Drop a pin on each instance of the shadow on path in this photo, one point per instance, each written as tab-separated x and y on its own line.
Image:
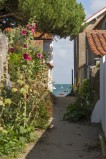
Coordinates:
67	140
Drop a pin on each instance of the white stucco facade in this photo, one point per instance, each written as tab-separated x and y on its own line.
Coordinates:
48	49
99	112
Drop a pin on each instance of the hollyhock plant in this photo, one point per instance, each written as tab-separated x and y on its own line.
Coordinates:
11	49
24	32
27	57
26	91
39	56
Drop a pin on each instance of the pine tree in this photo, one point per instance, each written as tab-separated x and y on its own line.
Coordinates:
58	17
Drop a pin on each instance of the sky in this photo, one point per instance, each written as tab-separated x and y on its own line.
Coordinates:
63	48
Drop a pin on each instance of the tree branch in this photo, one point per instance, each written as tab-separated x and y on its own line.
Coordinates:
13	15
41	35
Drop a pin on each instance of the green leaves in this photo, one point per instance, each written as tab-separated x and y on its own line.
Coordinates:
7	101
26	104
82	107
58	17
22	130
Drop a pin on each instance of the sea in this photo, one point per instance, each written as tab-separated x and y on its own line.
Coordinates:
61	90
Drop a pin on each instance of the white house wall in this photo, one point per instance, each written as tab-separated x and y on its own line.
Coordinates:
50	80
99	112
48	49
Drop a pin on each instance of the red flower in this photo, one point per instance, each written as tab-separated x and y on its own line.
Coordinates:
27	57
24	32
33	30
25	46
11	49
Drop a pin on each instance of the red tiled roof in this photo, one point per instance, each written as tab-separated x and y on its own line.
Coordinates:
46	36
97	41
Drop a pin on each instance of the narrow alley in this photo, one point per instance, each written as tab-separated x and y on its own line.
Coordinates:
66	140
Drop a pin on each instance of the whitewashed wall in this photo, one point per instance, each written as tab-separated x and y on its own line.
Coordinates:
48	49
99	112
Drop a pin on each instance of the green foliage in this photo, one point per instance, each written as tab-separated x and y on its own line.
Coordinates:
58	17
11	142
9	5
41	119
1	4
81	109
63	18
26	105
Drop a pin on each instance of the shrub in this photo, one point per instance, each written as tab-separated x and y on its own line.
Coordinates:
82	107
25	104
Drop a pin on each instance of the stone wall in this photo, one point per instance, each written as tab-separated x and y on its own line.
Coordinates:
3	52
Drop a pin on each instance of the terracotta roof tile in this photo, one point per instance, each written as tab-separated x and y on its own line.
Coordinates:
46	36
97	41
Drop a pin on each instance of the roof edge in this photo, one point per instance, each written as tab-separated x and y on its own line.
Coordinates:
95	15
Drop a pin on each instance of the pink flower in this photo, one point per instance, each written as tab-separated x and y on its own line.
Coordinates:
39	56
34	26
24	32
27	57
11	49
29	26
25	46
33	30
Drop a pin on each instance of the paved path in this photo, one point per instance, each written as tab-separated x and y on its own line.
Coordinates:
67	140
